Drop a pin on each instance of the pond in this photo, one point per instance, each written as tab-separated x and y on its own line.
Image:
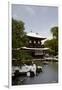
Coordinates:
49	74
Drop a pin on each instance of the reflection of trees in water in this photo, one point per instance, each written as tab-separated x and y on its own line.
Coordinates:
17	81
55	66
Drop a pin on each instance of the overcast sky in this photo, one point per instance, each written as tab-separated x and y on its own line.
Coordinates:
38	19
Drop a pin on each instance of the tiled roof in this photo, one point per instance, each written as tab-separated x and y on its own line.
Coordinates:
36	35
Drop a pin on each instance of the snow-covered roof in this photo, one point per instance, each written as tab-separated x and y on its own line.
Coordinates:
36	35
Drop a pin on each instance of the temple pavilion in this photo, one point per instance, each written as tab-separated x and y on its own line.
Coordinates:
35	46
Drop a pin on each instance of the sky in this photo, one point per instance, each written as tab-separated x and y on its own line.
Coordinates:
38	19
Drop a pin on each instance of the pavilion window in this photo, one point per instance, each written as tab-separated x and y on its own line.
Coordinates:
34	42
30	41
38	42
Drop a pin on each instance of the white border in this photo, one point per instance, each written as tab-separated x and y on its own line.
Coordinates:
30	3
9	45
38	2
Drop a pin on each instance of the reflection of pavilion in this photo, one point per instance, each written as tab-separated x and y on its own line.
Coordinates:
35	46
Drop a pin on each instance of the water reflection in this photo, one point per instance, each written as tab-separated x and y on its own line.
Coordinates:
49	75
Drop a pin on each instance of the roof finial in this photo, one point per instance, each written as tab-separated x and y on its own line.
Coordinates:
31	31
37	33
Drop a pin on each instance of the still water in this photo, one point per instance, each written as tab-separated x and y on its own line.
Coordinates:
49	74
